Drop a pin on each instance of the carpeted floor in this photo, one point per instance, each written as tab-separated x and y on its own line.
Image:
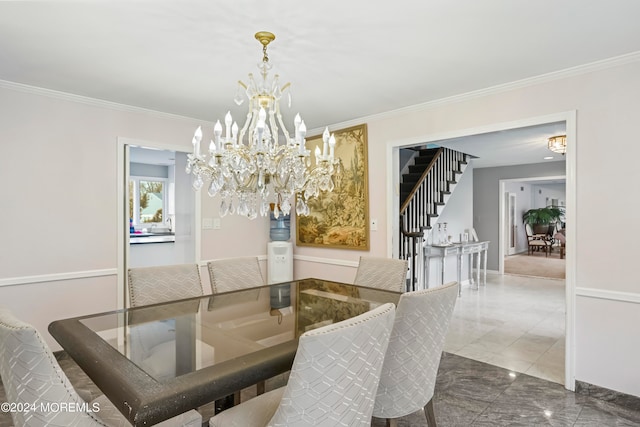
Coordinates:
536	265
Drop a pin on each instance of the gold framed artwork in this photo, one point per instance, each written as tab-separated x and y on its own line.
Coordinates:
340	219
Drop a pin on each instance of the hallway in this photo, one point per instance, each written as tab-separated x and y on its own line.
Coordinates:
513	322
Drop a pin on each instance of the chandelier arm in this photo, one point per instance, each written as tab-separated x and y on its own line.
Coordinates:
243	131
274	127
285	132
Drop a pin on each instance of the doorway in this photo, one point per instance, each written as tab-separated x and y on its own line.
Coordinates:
157	209
531	193
568	120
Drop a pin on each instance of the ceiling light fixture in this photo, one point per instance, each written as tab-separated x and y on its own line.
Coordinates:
249	168
558	144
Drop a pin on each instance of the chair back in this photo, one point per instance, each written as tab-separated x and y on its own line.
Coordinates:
33	378
153	285
233	274
382	273
410	367
336	371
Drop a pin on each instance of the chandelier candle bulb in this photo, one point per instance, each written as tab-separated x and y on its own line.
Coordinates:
227	122
196	141
332	146
234	134
302	132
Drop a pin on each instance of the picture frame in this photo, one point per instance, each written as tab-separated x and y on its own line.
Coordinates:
340	219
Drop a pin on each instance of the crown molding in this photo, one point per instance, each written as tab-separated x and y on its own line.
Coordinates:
94	102
518	84
591	67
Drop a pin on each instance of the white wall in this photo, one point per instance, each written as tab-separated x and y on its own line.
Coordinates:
544	193
58	167
606	104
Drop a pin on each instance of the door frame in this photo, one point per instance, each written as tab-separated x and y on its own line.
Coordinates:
502	250
569	117
122	198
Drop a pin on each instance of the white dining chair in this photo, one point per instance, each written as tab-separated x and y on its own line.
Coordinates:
32	378
153	285
233	274
408	376
382	273
333	380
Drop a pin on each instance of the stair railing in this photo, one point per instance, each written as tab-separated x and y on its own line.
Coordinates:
422	203
413	242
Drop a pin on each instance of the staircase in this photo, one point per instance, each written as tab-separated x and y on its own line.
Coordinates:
424	191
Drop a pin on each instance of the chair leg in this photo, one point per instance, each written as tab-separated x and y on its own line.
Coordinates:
392	422
428	412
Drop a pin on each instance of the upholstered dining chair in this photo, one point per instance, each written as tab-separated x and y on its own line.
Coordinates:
233	274
153	285
32	376
382	273
333	380
408	376
153	345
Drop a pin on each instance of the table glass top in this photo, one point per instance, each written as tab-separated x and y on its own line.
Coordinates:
169	340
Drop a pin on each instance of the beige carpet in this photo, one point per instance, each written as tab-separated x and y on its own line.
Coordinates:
536	265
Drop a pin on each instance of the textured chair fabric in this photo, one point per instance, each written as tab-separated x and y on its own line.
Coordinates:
153	285
233	274
382	273
536	242
32	376
333	380
410	367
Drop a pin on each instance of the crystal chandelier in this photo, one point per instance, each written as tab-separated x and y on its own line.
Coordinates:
557	144
252	167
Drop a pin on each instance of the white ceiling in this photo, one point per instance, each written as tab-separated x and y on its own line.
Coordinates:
345	59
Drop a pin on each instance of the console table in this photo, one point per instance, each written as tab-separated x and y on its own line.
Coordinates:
475	250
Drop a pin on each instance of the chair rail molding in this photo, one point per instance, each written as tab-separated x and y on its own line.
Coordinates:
631	297
57	277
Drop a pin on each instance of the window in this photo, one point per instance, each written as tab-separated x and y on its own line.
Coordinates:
147	200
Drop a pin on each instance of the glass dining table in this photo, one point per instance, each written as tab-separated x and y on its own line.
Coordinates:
158	361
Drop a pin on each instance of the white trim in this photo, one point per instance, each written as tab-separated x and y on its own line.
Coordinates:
571	217
331	261
56	277
203	263
94	102
631	297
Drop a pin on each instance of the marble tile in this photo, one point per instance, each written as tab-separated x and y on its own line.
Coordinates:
596	412
611	396
514	322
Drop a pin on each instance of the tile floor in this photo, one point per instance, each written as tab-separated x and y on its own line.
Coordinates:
513	322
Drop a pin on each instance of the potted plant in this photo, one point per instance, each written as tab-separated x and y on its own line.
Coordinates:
541	218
